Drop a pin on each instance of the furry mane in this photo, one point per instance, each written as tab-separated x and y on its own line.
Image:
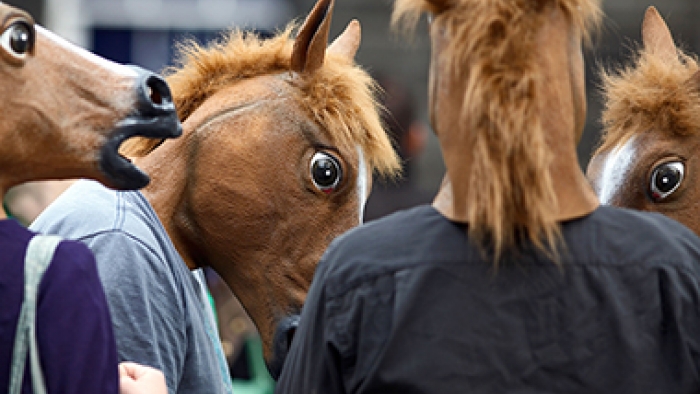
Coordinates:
340	96
650	94
492	48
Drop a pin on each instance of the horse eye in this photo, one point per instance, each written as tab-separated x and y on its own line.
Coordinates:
18	39
326	172
666	179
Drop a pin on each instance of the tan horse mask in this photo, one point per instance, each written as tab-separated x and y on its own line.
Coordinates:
275	162
507	103
648	157
66	110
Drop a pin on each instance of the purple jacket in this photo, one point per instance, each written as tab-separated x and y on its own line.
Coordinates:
74	332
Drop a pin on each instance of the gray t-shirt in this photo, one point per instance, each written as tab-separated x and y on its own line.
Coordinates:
158	311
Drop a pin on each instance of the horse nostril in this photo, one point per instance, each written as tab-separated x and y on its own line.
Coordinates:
155	96
157	91
290	335
282	341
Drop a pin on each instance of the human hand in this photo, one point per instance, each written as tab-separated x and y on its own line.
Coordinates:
140	379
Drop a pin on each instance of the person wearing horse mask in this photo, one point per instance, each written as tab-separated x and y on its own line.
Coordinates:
63	110
515	279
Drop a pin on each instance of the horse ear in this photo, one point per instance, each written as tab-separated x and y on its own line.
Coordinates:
310	45
348	43
657	37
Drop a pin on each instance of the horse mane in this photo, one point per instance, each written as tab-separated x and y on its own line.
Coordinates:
649	94
340	96
493	47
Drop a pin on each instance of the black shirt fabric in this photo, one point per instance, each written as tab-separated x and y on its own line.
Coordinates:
407	304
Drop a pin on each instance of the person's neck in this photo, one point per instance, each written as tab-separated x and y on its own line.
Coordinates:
575	196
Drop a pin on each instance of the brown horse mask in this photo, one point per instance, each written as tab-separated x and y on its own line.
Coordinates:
66	110
238	191
507	104
648	156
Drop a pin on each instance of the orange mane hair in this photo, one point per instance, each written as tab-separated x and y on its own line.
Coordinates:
340	96
649	94
493	50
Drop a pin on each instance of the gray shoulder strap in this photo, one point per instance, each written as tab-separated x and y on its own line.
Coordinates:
40	252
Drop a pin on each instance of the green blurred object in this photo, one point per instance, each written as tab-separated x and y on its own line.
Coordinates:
261	382
7	210
213	305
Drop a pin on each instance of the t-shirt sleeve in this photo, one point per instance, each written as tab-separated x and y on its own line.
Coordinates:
74	331
147	308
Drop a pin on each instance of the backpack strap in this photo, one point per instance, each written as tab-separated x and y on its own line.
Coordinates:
39	254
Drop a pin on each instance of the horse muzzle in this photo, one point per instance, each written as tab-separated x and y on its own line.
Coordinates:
154	117
282	342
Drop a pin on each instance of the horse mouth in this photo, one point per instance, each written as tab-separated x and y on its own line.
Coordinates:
282	342
121	173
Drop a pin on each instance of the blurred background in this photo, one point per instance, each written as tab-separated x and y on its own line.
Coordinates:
143	32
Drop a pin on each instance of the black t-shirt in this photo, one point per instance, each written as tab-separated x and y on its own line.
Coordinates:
407	304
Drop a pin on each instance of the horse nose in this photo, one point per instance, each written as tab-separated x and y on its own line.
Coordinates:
153	94
282	342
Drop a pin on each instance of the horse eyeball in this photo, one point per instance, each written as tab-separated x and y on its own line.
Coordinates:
666	179
18	39
326	172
